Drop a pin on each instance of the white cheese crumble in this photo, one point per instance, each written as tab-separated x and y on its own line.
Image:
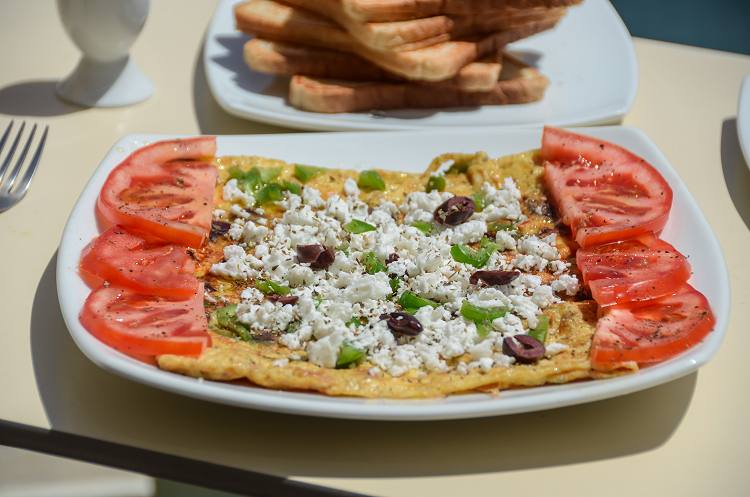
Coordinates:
321	321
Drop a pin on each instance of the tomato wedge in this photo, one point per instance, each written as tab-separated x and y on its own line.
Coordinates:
651	331
124	259
603	191
143	325
641	268
165	190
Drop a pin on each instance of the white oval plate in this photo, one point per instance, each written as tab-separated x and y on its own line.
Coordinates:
408	151
743	119
589	58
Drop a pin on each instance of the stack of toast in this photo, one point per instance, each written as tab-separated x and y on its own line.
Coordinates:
363	55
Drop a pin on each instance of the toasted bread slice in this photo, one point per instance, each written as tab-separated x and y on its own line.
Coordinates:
399	10
414	33
285	59
518	84
277	22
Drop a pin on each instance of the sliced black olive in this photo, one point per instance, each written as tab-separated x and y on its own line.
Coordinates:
318	256
402	323
392	258
283	299
454	211
526	349
218	228
495	277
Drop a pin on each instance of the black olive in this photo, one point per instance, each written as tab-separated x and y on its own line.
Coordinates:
218	228
496	277
525	348
317	255
454	211
283	299
402	323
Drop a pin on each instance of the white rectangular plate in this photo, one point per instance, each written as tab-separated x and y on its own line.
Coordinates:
408	151
588	57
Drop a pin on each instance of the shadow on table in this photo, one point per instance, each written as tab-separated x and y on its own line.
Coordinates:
79	397
736	172
212	119
34	98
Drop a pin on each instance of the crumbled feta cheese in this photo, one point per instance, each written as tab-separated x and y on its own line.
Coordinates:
469	232
325	351
351	188
233	193
567	283
329	298
235	264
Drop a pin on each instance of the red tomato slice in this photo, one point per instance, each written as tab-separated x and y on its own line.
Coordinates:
125	259
651	331
165	190
603	191
144	325
638	269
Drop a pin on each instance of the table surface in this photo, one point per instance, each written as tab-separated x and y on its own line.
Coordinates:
688	437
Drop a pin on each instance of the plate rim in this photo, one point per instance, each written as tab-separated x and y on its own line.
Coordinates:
743	119
452	407
301	120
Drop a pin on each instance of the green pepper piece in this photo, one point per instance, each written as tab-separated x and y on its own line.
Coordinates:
268	174
349	356
370	180
372	264
479	201
306	173
291	187
411	302
271	192
476	258
435	182
268	287
224	321
425	228
358	227
395	284
481	314
247	181
483	329
540	332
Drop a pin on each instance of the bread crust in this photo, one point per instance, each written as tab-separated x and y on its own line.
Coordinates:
438	62
518	84
286	59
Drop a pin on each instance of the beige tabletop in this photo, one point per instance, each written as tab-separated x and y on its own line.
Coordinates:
690	437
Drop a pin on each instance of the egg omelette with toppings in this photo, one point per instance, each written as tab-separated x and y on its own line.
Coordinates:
264	361
478	275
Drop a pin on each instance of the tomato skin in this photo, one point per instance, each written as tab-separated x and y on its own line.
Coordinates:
141	325
603	192
636	269
163	189
128	260
651	331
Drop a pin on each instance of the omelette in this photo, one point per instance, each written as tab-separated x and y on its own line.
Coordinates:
384	284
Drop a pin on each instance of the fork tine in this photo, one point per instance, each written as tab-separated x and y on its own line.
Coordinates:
5	135
17	168
12	151
23	186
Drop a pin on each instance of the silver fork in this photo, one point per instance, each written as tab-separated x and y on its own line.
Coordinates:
13	190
